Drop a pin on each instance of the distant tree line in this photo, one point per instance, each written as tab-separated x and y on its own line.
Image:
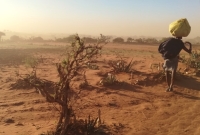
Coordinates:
69	39
138	40
16	38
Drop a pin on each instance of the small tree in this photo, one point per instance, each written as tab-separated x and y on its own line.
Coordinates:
151	40
68	69
1	34
37	39
129	40
139	40
118	40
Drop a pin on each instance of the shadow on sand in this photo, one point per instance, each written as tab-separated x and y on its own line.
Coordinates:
190	83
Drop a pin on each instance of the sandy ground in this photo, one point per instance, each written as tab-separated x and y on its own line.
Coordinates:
129	109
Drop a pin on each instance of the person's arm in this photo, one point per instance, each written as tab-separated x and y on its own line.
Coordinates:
188	50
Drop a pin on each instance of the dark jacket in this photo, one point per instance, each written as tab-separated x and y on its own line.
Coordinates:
171	48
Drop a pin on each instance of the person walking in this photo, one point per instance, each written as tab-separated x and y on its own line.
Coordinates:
170	50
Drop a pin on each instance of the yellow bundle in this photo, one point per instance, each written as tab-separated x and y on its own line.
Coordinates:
180	28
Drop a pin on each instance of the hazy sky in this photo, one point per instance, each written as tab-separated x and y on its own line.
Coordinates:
92	17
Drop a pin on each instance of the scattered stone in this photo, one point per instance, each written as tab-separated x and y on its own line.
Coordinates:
114	104
186	130
38	128
19	124
36	101
9	120
18	103
98	105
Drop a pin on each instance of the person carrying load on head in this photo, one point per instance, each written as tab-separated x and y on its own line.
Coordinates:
171	48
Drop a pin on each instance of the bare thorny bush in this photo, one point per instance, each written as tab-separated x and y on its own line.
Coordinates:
30	80
193	61
121	65
68	69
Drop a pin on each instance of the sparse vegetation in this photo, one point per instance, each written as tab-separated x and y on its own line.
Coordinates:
151	40
193	61
110	79
139	40
129	40
121	65
31	61
118	40
157	66
114	81
36	39
92	66
85	83
67	69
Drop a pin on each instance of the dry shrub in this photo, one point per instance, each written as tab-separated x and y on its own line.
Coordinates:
68	69
192	62
121	65
92	66
110	79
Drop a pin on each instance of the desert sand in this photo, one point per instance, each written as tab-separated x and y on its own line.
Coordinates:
129	109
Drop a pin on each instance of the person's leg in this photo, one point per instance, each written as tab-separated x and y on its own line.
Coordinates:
173	75
168	80
172	80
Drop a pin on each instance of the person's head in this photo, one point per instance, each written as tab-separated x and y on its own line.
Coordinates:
179	37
